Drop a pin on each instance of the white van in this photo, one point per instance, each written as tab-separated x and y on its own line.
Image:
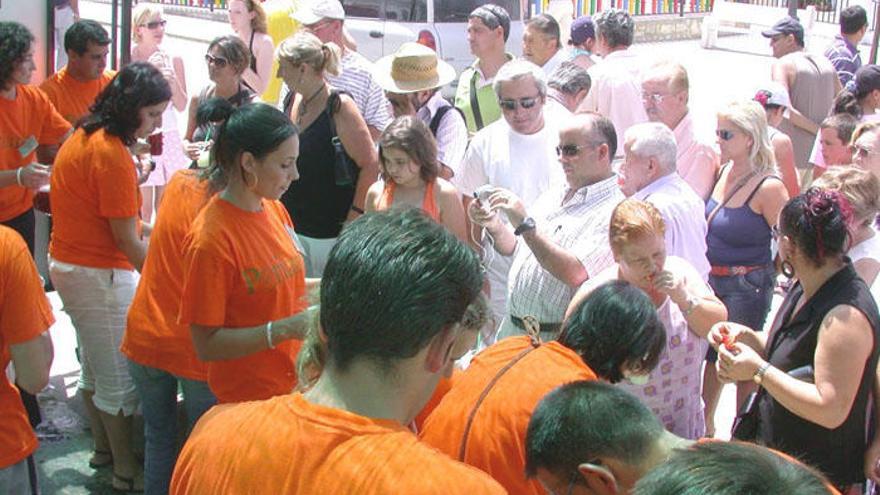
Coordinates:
380	26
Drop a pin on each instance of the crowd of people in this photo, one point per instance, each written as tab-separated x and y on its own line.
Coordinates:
539	286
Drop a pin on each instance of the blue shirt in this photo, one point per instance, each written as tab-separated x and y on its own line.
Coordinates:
845	58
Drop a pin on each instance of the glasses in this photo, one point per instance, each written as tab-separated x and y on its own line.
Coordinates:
725	134
862	151
655	98
220	62
569	150
155	24
525	103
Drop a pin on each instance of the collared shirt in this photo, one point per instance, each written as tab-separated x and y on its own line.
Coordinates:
356	79
845	58
697	158
452	134
683	212
578	225
550	65
616	92
486	98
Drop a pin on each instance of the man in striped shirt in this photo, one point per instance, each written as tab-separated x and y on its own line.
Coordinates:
843	52
324	19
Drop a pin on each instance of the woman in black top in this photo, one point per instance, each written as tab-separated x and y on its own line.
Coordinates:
816	366
337	161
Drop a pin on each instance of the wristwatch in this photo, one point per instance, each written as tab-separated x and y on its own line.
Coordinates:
759	374
527	224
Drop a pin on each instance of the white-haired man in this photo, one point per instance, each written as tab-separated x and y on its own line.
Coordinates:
648	174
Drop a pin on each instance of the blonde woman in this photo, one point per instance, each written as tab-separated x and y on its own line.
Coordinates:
147	33
740	213
866	147
248	21
338	162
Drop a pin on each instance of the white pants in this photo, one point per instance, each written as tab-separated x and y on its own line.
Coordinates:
97	301
316	253
63	20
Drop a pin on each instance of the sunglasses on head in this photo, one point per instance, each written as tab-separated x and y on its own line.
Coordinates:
220	62
155	24
569	150
511	105
724	134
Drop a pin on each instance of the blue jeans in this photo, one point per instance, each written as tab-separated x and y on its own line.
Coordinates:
747	298
158	392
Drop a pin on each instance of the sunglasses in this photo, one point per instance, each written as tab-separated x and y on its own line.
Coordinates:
725	134
155	24
220	62
526	103
569	150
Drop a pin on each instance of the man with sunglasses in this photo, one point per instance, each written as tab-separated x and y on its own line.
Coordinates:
665	93
325	19
616	92
648	174
515	153
812	84
566	240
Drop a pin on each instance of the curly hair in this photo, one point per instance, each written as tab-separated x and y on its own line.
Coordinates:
117	108
15	41
412	136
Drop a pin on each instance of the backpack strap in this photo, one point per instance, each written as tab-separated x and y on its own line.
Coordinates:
438	117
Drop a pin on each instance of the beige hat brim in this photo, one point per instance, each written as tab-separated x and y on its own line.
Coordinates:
382	73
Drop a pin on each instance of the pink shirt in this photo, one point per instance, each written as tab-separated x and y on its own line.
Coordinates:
697	159
616	92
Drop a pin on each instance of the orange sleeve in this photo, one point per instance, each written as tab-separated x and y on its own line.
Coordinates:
116	185
54	126
208	279
25	312
443	387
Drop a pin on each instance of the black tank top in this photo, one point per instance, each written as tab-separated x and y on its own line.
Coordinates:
316	204
791	346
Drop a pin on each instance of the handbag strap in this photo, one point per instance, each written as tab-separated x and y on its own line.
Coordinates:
475	102
730	195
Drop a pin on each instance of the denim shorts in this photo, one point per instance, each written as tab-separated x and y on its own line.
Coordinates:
747	298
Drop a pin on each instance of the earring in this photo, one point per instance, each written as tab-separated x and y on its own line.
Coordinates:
787	269
244	178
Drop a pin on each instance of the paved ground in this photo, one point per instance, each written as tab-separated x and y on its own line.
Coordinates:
717	76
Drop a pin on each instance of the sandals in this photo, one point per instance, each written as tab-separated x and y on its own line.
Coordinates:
101	458
128	485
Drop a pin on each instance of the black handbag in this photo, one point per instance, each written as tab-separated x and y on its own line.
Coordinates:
344	172
745	426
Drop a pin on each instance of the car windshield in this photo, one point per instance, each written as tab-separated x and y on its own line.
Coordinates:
458	10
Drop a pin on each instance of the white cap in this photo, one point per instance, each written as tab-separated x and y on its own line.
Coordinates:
314	11
772	93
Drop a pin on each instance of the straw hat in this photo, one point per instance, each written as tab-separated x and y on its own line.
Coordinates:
413	67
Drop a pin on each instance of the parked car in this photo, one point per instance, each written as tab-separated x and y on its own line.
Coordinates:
380	26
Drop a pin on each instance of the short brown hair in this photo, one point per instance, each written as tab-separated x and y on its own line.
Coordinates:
634	219
234	50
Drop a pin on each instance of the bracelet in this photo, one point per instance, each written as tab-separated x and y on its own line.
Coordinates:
759	375
269	343
18	176
357	210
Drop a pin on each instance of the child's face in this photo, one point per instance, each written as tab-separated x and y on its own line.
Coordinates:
400	168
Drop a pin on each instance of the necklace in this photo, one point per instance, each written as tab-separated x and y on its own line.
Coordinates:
304	105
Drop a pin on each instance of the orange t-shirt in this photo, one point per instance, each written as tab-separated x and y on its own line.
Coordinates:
28	120
25	313
72	97
153	337
287	445
242	269
93	180
496	440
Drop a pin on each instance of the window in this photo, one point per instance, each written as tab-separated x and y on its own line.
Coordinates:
458	10
362	8
406	10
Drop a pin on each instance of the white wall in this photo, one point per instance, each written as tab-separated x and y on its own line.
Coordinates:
32	14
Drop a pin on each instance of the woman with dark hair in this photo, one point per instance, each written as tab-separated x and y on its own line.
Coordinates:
29	125
227	59
244	283
683	302
338	163
816	367
97	250
613	334
408	158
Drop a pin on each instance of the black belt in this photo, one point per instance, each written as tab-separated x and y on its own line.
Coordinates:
544	327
